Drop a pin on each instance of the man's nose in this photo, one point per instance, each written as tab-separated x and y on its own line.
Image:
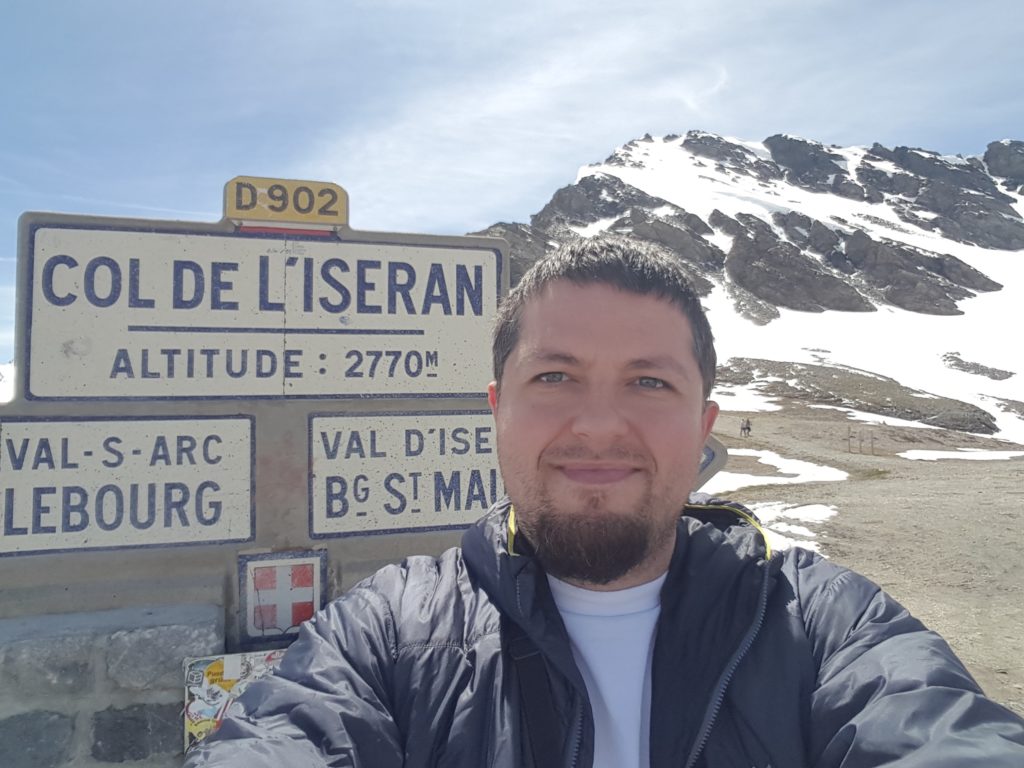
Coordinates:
599	415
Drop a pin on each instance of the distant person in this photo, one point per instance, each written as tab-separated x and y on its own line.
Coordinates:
598	618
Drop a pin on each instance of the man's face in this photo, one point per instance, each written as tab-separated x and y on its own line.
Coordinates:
600	419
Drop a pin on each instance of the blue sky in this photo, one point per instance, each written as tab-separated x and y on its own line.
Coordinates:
444	117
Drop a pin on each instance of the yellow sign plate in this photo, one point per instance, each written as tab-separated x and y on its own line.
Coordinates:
256	199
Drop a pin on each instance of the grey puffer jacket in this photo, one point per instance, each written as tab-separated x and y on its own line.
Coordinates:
785	661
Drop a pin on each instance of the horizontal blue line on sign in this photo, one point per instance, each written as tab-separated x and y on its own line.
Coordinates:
328	331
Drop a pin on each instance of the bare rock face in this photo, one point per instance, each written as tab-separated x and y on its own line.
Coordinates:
914	280
778	272
730	156
1006	159
806	163
956	196
629	211
590	200
526	245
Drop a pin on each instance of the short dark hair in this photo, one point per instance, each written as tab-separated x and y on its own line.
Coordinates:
618	263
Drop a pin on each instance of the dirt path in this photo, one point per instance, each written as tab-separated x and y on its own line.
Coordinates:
943	537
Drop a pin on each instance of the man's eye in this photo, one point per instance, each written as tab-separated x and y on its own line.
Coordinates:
650	382
552	377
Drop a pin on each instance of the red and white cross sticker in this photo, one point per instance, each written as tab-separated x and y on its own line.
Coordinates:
282	595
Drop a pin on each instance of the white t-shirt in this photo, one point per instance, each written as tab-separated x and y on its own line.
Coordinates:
612	637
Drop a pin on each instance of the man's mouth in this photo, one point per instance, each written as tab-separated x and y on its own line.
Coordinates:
596	475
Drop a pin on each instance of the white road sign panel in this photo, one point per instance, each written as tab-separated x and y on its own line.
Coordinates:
125	314
81	484
384	473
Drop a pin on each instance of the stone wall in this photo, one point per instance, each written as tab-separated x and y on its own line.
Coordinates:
100	689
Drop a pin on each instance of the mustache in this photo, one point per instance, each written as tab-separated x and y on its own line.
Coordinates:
578	452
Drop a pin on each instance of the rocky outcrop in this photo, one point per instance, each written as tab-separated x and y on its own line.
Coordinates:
779	272
590	200
730	156
1006	160
957	363
629	211
848	388
807	164
782	275
914	280
526	245
954	195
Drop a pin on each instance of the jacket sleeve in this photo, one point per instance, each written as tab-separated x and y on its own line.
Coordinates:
328	703
889	691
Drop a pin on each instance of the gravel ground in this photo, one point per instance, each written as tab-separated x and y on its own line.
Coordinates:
943	537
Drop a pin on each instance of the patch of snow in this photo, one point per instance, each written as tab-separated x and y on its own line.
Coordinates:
799	530
875	418
790	471
773	516
965	453
759	149
596	228
743	398
888	167
722	240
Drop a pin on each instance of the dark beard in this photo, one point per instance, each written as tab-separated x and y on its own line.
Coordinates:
594	547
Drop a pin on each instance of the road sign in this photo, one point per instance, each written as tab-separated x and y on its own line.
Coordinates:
133	312
383	473
256	199
76	484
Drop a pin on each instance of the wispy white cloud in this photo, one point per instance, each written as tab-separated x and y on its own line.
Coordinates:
495	142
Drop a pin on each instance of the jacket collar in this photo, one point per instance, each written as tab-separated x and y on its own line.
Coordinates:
714	540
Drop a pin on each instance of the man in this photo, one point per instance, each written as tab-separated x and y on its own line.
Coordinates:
598	619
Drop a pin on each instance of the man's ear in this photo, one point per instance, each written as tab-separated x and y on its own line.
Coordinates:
708	417
492	396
